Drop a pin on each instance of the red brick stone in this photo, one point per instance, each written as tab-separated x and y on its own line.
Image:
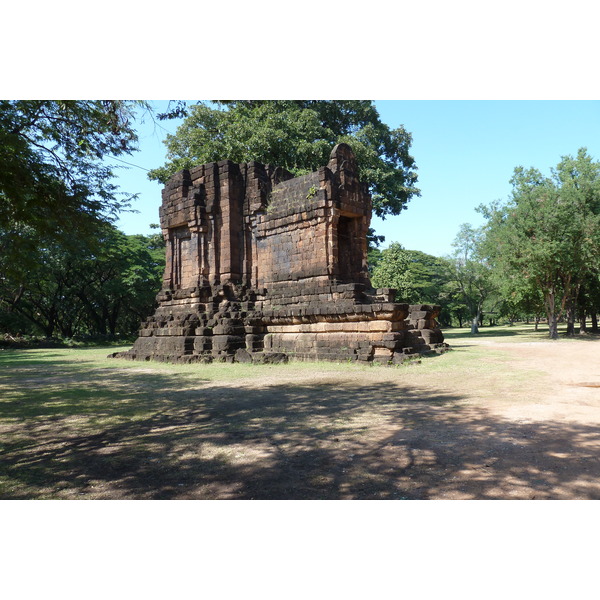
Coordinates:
252	250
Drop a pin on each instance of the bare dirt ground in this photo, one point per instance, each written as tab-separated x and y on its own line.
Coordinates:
492	419
527	430
538	440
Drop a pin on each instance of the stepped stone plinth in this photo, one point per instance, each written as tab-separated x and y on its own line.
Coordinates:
262	266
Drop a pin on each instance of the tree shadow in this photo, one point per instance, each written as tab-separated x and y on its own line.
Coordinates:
135	435
582	337
515	332
484	333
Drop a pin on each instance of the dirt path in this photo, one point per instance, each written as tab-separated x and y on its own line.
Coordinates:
540	440
570	389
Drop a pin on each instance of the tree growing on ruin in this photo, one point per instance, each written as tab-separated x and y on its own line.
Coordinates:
297	135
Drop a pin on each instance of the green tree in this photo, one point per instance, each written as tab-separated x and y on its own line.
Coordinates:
471	274
53	178
373	257
102	288
39	289
519	304
547	236
117	285
419	278
589	301
456	311
392	271
298	135
427	275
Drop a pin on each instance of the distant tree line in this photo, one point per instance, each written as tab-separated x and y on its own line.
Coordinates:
537	256
461	287
82	291
66	270
543	244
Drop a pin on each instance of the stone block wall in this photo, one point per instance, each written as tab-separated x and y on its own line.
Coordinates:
263	266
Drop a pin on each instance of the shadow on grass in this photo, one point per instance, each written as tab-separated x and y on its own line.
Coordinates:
512	332
122	434
582	337
494	332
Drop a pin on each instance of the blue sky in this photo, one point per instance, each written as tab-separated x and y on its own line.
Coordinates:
465	152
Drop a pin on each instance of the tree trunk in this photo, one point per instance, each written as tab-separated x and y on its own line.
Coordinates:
97	319
66	329
113	318
552	327
474	324
551	314
48	326
537	322
582	324
571	318
571	306
594	318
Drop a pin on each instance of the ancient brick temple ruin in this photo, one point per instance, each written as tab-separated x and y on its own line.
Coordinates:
262	266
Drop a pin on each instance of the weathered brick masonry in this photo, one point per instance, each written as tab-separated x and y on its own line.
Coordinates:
262	266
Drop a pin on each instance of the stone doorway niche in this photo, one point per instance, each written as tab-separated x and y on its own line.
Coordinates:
185	271
349	247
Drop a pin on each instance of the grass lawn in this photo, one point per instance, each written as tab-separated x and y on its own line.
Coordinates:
520	332
76	425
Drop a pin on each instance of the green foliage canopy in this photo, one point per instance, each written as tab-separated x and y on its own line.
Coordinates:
52	175
418	278
64	268
78	289
391	270
547	236
472	274
299	136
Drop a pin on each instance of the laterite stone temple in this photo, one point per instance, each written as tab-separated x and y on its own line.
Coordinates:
263	266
